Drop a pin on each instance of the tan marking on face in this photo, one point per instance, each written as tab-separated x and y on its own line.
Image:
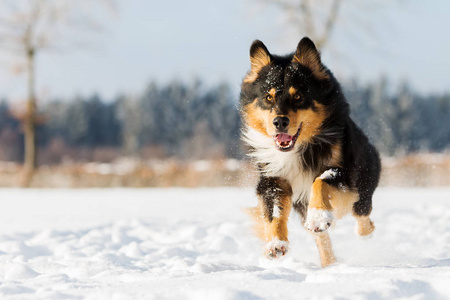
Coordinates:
292	91
255	117
260	119
310	120
327	197
272	92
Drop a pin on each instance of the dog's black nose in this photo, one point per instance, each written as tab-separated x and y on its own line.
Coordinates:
281	123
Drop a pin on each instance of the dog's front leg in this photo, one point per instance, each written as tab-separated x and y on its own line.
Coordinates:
320	216
274	196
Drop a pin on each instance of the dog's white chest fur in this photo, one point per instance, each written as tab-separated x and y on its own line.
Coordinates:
275	163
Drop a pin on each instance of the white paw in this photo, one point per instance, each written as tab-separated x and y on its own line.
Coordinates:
275	248
318	220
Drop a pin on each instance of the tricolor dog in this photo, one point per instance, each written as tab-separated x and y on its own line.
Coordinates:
310	154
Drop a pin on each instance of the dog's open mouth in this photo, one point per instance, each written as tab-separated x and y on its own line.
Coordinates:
286	142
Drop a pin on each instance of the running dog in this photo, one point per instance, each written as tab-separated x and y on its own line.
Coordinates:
310	155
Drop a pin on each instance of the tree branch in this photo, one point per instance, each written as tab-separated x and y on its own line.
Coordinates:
329	25
308	21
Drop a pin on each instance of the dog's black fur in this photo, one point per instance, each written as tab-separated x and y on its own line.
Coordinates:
357	165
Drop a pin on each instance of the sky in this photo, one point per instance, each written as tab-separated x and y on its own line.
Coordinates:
160	41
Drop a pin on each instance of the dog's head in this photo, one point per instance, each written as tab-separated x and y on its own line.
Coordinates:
286	97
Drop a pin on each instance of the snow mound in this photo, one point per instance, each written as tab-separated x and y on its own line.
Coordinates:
197	244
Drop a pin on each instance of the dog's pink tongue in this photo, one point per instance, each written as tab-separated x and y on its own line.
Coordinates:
283	137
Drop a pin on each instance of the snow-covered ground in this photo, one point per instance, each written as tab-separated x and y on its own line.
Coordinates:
196	244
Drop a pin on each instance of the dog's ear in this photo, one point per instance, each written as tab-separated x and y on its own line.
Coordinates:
308	56
259	58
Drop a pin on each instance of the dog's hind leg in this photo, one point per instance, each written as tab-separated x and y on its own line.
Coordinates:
323	243
272	213
361	210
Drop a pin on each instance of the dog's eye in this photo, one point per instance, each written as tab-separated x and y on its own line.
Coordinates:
297	97
269	97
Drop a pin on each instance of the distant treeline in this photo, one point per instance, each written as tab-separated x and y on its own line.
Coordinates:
189	121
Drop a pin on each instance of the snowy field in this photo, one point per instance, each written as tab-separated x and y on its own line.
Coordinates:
196	244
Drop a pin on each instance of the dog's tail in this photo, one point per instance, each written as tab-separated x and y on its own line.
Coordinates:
258	220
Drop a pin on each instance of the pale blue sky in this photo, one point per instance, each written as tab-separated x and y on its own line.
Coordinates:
162	40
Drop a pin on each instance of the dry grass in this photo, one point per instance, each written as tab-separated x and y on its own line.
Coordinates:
417	170
164	173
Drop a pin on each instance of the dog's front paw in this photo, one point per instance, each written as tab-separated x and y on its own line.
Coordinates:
275	249
318	220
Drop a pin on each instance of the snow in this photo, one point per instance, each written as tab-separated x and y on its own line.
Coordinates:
197	244
329	174
275	211
318	219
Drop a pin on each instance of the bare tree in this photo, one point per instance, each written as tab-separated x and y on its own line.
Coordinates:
28	27
313	18
361	20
